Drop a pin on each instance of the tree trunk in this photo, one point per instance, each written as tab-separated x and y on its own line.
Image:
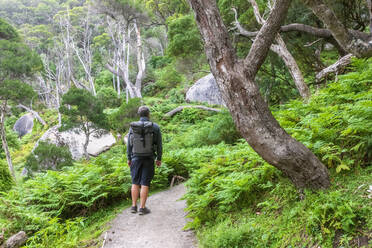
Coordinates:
3	139
348	40
369	5
141	64
235	79
87	134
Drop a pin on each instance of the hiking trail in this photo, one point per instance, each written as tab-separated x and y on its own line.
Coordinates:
162	228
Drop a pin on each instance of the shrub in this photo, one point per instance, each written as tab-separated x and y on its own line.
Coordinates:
6	180
167	77
109	97
123	116
48	156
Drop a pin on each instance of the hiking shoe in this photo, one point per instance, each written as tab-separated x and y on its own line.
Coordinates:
143	211
133	210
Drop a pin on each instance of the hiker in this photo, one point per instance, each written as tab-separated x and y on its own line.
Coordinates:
144	145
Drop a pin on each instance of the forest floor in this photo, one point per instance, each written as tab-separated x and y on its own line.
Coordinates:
162	228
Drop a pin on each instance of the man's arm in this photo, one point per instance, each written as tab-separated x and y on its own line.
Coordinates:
159	146
129	149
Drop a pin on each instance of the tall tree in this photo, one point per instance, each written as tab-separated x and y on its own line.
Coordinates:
17	61
124	19
236	81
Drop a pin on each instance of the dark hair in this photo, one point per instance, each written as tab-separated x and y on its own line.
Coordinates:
144	111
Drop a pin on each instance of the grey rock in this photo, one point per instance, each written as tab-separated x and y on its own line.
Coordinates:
205	90
329	47
16	240
24	124
75	140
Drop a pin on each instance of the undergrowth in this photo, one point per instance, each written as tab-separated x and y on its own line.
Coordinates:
235	199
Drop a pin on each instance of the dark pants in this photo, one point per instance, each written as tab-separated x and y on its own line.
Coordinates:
142	171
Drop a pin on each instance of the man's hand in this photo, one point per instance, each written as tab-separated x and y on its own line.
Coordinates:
158	163
129	162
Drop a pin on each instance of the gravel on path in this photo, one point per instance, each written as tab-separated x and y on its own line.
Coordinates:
162	228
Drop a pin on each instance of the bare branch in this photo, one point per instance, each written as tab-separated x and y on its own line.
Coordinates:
34	113
180	108
335	68
350	41
265	37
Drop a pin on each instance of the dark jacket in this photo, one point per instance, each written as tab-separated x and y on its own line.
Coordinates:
157	142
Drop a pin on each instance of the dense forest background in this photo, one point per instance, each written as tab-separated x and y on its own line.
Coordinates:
91	64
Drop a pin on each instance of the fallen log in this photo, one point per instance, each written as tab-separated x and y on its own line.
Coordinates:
180	108
335	68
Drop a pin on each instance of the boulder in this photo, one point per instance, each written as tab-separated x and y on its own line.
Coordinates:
16	240
24	124
75	140
205	90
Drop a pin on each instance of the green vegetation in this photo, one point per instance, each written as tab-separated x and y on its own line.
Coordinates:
48	156
235	198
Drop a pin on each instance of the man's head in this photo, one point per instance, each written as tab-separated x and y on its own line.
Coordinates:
144	111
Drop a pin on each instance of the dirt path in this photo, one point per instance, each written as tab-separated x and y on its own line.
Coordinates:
162	228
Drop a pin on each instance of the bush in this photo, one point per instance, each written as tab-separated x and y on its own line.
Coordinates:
167	77
109	97
6	180
48	156
123	116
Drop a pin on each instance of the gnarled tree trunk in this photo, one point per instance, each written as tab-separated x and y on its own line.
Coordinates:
235	79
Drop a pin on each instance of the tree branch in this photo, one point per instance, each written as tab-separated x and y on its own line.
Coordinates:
335	68
36	114
180	108
351	41
265	37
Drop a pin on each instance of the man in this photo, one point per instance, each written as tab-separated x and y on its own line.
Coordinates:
144	145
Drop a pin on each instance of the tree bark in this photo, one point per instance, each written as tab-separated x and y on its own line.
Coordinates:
235	79
349	40
3	139
87	135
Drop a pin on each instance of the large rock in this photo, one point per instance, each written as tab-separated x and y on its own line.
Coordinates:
205	90
16	240
24	124
75	140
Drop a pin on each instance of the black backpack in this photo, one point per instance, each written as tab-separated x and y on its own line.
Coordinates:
142	138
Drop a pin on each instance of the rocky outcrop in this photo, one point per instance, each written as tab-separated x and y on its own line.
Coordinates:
16	240
75	140
205	90
24	124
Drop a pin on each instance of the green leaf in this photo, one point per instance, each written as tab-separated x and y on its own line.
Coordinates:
342	167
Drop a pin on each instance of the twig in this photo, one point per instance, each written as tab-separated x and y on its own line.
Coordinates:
312	43
104	240
176	177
